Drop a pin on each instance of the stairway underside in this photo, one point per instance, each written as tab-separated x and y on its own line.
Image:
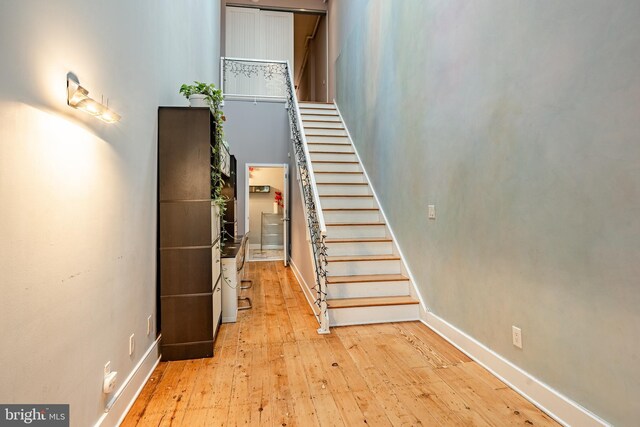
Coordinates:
367	280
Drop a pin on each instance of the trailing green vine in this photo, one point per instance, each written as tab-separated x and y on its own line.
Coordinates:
214	98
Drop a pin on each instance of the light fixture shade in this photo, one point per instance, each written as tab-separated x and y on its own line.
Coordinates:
78	97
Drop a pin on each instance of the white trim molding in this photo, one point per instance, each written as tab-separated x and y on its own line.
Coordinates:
559	407
305	288
118	407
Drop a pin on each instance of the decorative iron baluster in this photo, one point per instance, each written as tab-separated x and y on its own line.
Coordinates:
273	70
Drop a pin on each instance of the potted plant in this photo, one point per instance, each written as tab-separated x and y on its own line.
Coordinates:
202	95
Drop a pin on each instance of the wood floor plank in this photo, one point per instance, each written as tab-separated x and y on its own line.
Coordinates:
272	368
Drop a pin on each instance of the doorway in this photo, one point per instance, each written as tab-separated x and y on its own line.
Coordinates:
266	210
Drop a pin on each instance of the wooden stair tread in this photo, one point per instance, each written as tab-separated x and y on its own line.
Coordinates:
338	172
343	183
349	209
318	121
355	224
331	152
334	161
328	142
322	127
318	113
371	302
358	240
365	278
313	102
348	258
346	195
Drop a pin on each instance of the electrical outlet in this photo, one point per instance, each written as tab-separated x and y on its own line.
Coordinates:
149	325
431	211
109	382
132	344
517	336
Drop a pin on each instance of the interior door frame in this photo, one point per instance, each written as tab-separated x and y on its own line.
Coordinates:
285	200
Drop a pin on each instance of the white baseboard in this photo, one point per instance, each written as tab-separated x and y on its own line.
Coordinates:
556	405
305	288
127	394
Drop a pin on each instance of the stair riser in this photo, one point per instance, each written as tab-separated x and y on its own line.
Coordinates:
342	157
352	216
324	190
326	125
311	132
343	148
336	167
359	248
339	232
347	202
367	315
321	139
357	268
373	289
316	105
340	177
305	110
317	118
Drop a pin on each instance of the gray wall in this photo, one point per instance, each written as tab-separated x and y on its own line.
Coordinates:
256	133
259	133
519	121
78	216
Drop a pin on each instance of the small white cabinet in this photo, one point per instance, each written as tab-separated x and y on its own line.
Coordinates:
233	267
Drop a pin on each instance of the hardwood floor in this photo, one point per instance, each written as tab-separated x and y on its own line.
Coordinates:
271	368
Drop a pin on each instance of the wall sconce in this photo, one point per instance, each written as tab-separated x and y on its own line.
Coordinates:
78	97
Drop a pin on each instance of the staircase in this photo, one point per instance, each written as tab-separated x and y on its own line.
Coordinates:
367	280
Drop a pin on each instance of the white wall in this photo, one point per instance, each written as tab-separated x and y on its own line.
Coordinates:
263	202
78	216
519	121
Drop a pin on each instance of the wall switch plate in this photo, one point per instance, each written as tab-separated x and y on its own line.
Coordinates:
149	325
431	211
132	344
517	336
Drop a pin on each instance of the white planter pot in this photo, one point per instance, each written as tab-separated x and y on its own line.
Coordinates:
197	100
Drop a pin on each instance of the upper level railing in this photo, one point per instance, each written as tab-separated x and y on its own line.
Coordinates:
256	78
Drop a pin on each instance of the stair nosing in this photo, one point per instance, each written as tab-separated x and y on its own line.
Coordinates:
342	183
354	224
359	240
406	300
328	143
334	161
367	278
346	195
361	173
331	152
363	258
349	209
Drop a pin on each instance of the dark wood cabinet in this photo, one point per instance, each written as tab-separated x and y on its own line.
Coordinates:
188	231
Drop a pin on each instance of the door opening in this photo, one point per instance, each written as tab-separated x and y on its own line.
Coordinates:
267	213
